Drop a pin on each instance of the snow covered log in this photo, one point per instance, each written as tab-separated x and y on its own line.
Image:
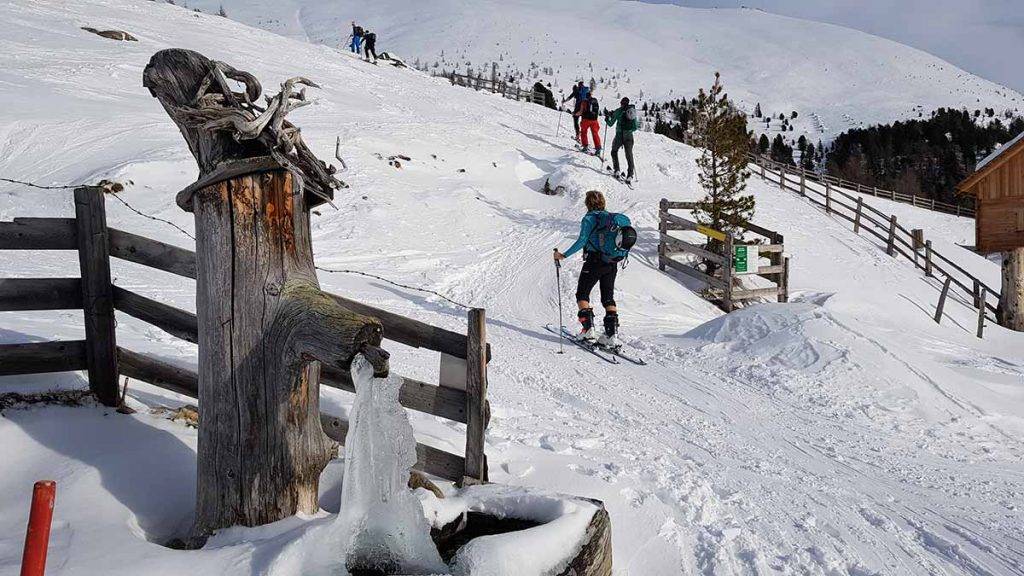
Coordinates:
264	324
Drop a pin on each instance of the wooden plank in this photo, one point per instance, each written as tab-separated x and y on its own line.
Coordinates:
18	294
928	258
981	315
756	293
97	294
38	234
942	300
183	381
727	274
860	210
773	269
682	246
174	321
42	357
679	266
141	250
158	373
476	394
770	248
415	395
891	242
428	459
411	332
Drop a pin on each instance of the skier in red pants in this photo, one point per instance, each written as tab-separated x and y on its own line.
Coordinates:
590	112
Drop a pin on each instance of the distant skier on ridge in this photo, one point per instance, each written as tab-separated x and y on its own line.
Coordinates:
370	40
605	240
356	44
626	122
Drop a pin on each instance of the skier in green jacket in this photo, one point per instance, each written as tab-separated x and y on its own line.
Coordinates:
626	122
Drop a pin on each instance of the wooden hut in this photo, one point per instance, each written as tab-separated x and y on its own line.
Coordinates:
998	187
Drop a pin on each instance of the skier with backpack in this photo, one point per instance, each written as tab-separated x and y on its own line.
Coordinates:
370	41
579	93
626	121
590	112
357	38
605	240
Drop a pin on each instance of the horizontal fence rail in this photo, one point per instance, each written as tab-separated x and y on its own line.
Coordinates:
894	238
461	400
918	201
506	89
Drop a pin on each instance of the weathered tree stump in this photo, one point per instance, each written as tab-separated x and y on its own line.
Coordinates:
264	324
1011	301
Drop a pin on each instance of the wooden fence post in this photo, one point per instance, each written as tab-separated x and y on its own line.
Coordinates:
662	229
828	199
942	299
981	314
727	271
476	394
856	218
917	240
977	293
803	182
928	258
763	163
784	281
782	177
891	248
97	294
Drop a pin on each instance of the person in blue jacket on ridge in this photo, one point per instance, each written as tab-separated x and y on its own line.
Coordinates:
595	271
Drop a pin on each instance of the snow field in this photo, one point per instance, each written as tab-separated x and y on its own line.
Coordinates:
844	433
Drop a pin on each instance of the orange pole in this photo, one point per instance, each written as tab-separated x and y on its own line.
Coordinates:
33	562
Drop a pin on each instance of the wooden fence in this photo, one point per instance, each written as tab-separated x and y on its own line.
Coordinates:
461	397
896	239
722	285
968	211
493	84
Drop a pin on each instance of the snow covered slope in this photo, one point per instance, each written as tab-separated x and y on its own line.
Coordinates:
845	433
834	77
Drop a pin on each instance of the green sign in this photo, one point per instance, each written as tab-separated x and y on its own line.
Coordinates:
744	259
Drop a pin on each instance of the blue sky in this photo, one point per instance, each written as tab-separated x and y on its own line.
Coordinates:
985	37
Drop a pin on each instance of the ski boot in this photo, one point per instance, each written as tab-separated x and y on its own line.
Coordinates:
586	317
608	340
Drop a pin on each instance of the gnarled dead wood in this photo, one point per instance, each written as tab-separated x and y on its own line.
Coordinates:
223	126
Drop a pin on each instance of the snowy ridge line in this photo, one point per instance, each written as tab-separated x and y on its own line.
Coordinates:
887	232
468	406
912	199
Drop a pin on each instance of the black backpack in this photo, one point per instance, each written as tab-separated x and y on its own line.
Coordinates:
371	37
357	31
593	109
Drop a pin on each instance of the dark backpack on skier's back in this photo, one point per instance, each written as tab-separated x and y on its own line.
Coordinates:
370	38
613	236
591	109
357	31
630	121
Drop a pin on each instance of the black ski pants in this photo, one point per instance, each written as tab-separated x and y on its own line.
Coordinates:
371	48
597	271
623	140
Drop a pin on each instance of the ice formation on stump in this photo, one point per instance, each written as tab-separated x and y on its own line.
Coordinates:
381	521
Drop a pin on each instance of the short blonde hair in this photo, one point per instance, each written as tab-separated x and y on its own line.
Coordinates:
594	201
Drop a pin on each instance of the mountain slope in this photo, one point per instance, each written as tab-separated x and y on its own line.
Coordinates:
835	78
845	433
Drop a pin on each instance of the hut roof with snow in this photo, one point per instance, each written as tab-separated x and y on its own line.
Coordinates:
998	186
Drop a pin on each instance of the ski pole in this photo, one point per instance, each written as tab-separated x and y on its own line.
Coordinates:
604	143
561	324
558	131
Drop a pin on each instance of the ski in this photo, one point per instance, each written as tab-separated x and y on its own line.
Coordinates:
603	355
618	353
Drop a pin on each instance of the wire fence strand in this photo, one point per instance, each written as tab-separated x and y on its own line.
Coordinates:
393	283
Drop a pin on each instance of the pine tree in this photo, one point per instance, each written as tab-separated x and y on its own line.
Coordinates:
757	110
721	130
763	145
